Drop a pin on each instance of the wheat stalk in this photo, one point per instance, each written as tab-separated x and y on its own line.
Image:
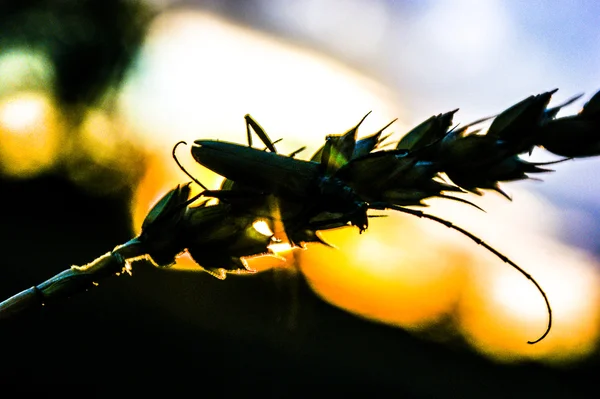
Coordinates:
432	160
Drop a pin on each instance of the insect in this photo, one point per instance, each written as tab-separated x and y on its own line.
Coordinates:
337	186
347	177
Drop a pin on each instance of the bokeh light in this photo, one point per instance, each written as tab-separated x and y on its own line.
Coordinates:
30	133
499	308
25	68
382	275
101	155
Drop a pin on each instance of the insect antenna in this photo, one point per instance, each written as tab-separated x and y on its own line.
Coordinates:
479	241
183	169
552	162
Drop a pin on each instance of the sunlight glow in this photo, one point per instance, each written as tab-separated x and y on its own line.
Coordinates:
262	227
381	276
280	247
499	309
198	75
28	120
22	114
102	158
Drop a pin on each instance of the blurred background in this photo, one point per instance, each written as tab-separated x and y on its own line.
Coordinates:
93	96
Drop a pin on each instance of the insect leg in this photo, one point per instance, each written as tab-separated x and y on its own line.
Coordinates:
260	132
479	241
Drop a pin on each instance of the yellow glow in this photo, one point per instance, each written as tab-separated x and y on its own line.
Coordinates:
100	146
262	227
500	309
100	137
29	134
22	114
202	74
280	247
380	275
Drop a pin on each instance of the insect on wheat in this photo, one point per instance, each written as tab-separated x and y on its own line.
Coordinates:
336	187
